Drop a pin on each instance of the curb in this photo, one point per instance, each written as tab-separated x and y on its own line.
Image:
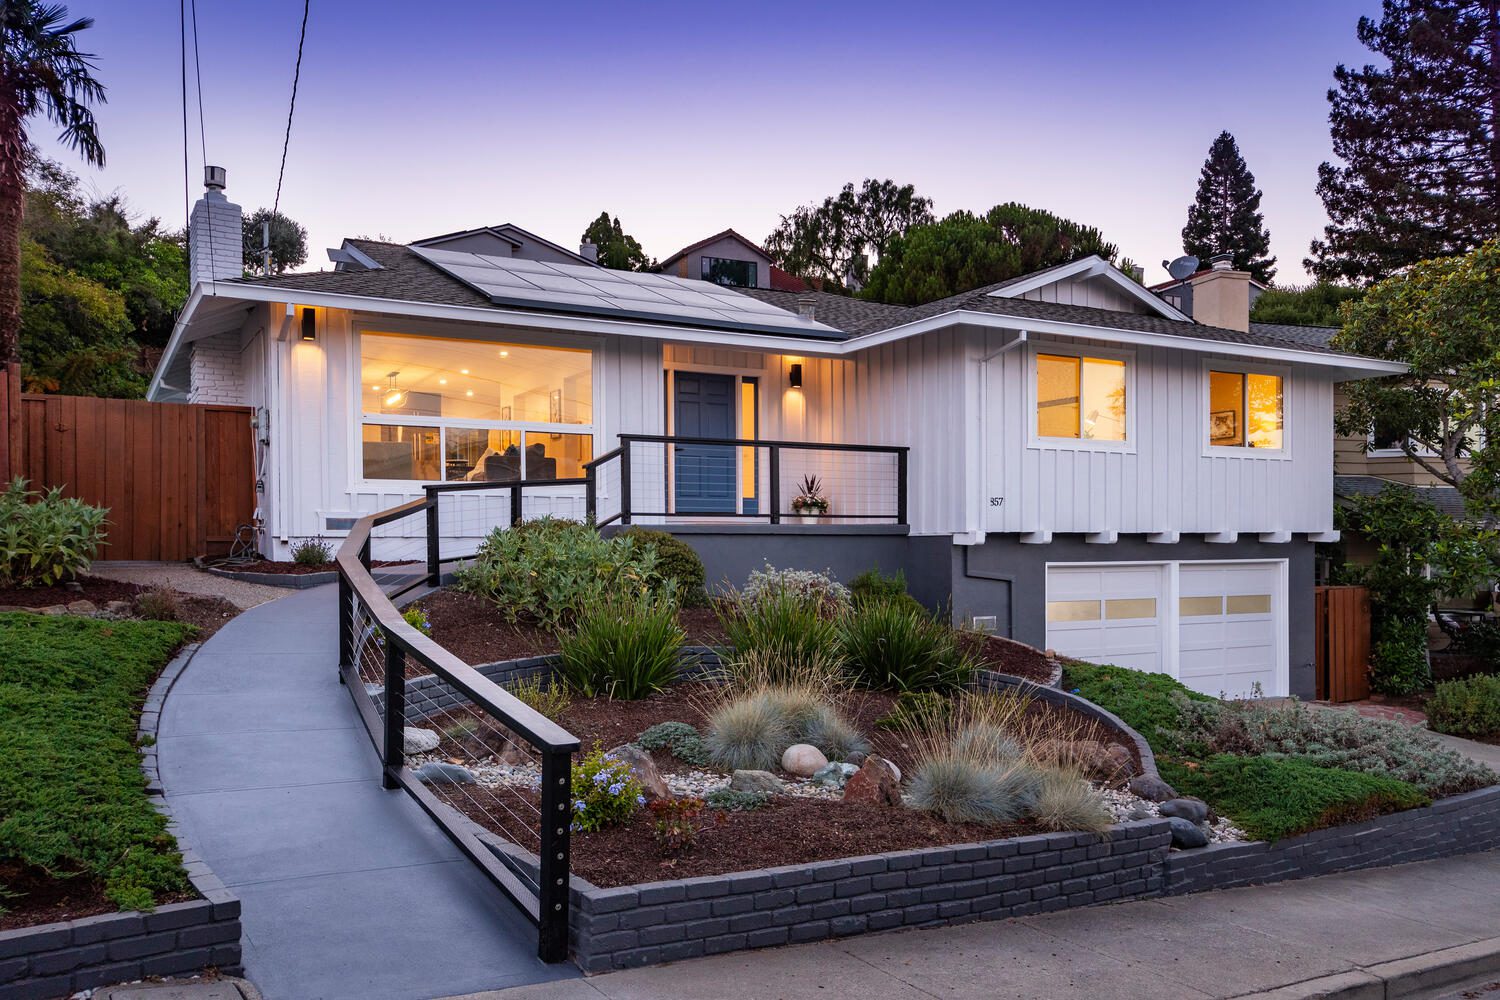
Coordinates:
286	581
1400	978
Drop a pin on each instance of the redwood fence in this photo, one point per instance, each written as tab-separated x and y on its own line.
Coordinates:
1342	638
178	479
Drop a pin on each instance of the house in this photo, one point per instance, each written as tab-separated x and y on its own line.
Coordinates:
1064	457
728	258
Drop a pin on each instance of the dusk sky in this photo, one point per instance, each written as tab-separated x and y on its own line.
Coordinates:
414	119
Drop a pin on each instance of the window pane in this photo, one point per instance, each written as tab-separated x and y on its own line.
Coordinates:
1130	607
1056	396
474	379
1199	607
400	451
1264	398
724	271
748	389
1072	611
1226	409
557	456
480	455
1103	399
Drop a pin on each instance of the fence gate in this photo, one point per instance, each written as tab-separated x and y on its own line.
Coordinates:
178	479
1342	638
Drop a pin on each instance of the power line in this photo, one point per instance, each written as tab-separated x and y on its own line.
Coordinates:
187	211
287	140
198	75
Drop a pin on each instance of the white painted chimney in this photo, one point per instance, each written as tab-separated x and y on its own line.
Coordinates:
588	251
214	236
1221	295
807	305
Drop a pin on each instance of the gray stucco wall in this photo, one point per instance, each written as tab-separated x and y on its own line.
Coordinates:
1006	578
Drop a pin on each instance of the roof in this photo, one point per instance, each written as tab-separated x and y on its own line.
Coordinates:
785	281
1313	336
509	232
726	234
1446	499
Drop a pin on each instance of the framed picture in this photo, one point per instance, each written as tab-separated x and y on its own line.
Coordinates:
1223	426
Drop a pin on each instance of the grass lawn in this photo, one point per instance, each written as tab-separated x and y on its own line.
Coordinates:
73	803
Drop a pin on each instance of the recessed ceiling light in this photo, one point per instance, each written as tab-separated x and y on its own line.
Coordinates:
463	371
375	388
469	393
442	381
505	354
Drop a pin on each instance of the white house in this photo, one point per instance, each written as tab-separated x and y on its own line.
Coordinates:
1086	468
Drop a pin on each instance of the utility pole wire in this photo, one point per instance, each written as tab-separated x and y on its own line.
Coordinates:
287	140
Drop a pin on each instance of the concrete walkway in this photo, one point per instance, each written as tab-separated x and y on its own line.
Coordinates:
1312	937
348	890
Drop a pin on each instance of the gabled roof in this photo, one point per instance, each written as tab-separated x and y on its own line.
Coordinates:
1085	268
729	234
511	233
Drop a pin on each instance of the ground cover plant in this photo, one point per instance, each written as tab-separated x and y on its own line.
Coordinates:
1467	707
73	805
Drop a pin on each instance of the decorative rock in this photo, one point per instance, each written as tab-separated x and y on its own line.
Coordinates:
1186	835
414	740
1188	808
644	768
855	757
73	585
52	609
803	759
756	781
1122	763
118	608
82	608
875	783
1152	788
438	773
835	775
895	771
1141	811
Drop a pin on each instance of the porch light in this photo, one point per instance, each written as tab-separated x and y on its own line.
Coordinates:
794	379
309	325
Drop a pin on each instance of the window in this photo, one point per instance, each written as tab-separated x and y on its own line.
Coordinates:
436	409
1079	397
736	273
1244	410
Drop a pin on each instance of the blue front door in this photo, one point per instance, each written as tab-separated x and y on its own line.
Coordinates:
705	474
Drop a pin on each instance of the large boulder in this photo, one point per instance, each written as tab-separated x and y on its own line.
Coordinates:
644	769
1188	808
437	772
757	781
803	759
414	740
875	783
1150	787
1186	835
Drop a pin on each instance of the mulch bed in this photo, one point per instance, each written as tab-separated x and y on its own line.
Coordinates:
44	899
1014	658
90	588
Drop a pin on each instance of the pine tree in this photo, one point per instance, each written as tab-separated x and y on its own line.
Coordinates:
1420	176
1225	216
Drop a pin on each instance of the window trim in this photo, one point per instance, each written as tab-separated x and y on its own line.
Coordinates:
447	331
1074	350
1211	450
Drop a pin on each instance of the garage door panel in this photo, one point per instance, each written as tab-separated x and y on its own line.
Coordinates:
1235	652
1107	614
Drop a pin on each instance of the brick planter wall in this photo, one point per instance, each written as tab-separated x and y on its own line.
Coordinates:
55	960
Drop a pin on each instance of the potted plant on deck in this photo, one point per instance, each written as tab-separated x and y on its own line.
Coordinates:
810	503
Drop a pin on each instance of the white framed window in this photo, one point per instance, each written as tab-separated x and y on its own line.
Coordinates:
1245	409
443	409
1081	397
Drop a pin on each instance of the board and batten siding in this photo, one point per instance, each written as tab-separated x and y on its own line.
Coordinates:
1166	479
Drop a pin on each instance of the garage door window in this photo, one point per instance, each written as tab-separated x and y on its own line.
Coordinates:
1248	604
1200	607
1072	611
1130	607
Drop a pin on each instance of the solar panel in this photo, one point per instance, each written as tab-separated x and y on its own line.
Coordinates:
578	288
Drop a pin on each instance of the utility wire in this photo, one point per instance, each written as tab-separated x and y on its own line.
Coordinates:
287	140
187	212
198	75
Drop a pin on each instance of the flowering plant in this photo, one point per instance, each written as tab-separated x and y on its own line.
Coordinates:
810	496
605	792
675	829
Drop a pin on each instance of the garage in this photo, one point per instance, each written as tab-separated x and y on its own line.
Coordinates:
1220	628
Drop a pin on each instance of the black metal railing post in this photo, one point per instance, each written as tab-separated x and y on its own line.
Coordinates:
773	472
624	479
346	626
516	509
552	890
434	549
395	712
901	486
591	495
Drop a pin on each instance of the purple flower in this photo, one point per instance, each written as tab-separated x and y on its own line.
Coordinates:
617	788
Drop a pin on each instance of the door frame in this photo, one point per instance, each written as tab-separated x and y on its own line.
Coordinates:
757	375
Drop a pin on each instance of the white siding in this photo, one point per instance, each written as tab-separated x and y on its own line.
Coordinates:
1077	292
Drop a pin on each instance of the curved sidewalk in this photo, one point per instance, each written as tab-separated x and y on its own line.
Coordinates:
348	890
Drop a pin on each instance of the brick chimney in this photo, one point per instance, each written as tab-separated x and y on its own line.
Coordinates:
1221	295
214	237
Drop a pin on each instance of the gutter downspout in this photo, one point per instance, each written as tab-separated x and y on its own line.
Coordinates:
975	533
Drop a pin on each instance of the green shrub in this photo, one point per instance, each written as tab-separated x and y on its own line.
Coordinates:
747	733
890	647
1398	659
605	792
679	739
626	647
46	537
1064	801
872	585
734	800
1148	703
72	794
676	561
312	552
1467	707
551	571
961	789
1274	798
551	699
784	624
1328	738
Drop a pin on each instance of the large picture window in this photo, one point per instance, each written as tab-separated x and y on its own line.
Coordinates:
727	271
440	409
1080	397
1244	410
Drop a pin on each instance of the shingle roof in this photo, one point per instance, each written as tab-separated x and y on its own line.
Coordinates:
1312	336
1444	498
402	275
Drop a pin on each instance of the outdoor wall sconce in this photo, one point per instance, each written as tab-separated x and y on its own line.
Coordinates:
309	325
794	377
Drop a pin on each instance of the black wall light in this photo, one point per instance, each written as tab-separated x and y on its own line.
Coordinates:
794	378
309	325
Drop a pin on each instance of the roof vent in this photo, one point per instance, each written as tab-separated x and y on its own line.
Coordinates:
807	305
215	178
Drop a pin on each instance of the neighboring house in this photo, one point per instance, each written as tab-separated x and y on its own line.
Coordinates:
728	258
1087	468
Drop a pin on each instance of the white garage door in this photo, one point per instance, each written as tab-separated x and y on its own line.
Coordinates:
1229	633
1108	614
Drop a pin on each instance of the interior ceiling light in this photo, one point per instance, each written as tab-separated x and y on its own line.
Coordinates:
505	354
463	371
394	394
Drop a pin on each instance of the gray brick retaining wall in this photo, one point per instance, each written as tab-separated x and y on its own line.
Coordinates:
55	960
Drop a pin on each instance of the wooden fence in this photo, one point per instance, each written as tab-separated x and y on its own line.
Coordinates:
1342	638
178	479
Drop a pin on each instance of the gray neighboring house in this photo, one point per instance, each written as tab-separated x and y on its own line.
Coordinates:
1087	467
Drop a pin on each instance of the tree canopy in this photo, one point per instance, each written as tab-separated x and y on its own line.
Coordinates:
1225	216
1316	304
839	240
963	251
1418	141
618	250
288	241
1442	318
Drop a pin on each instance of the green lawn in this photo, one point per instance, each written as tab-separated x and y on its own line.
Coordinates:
72	794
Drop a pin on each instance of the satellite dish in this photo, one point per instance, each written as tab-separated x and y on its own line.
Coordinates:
1182	267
